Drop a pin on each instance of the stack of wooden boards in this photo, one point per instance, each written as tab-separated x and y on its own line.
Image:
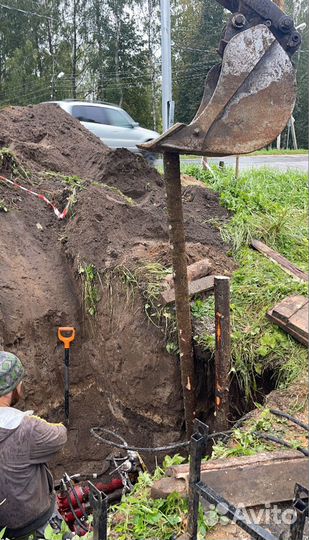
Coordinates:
199	281
292	315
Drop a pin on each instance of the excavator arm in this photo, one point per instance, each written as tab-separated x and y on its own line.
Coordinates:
248	13
248	97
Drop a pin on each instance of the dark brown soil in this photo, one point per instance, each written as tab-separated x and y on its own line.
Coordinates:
121	375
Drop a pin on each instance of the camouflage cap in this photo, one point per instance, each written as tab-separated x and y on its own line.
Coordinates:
11	372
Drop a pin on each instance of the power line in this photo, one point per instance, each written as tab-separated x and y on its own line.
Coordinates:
110	85
12	8
111	78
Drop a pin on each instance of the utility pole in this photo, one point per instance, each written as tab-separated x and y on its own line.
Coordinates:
167	97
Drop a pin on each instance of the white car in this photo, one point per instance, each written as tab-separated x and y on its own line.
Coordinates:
111	124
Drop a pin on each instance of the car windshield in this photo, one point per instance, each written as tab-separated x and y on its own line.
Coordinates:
102	115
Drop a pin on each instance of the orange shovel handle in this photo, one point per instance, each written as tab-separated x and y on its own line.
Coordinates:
66	334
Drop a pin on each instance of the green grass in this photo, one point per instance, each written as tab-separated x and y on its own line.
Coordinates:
270	206
91	296
9	163
262	152
281	152
138	517
148	279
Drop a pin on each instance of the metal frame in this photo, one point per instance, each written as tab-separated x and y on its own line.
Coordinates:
198	489
300	505
98	503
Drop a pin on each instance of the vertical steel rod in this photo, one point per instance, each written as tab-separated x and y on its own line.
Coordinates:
300	505
98	503
197	451
223	350
183	313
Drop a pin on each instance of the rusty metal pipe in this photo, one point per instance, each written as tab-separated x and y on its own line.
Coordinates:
223	351
177	238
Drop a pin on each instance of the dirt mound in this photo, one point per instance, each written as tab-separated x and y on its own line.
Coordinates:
121	373
44	137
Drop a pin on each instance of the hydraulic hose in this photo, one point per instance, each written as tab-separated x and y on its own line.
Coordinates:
290	418
282	442
157	449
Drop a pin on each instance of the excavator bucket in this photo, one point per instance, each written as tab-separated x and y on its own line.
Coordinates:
249	97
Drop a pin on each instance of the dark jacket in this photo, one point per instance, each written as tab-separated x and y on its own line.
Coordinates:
27	443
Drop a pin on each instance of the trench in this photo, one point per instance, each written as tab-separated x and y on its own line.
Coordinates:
122	376
240	405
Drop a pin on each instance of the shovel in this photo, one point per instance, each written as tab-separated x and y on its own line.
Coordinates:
66	334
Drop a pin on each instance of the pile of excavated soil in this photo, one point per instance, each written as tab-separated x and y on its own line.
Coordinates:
121	374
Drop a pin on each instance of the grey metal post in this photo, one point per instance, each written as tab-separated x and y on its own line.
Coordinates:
293	132
167	99
198	445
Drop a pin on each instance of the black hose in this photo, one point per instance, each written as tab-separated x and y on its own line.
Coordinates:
173	446
291	418
114	435
93	432
79	504
282	442
79	522
237	424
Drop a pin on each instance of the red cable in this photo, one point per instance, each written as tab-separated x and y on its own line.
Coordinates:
60	215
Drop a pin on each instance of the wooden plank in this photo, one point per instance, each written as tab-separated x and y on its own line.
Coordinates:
292	316
248	485
289	306
161	489
299	321
177	471
199	285
195	271
285	264
291	331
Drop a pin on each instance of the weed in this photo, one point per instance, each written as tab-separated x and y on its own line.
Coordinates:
8	162
91	295
74	182
148	279
140	517
3	207
50	534
245	441
270	206
117	191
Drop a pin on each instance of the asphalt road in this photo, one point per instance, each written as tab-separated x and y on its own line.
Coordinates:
280	162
